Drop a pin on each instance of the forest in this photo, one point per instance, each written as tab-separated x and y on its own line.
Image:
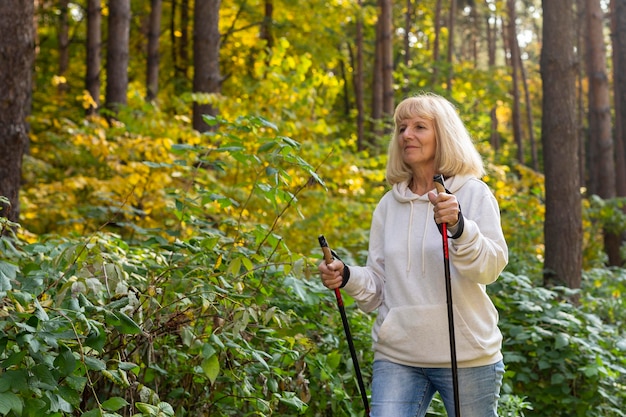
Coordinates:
166	168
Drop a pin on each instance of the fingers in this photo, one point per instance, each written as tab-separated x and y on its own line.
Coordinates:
332	274
446	208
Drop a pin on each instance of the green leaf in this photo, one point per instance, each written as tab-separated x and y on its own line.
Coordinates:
561	340
10	402
123	323
114	403
65	362
14	359
211	368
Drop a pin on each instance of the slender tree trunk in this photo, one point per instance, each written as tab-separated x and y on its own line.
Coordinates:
618	8
183	42
408	22
154	32
563	218
387	55
358	79
267	32
118	53
206	52
436	42
451	29
580	92
64	42
377	84
17	52
529	117
94	50
491	26
601	161
514	53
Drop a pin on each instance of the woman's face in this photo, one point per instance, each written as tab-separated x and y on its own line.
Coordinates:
417	141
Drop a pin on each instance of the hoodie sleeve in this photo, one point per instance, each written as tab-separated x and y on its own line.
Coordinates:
366	283
480	253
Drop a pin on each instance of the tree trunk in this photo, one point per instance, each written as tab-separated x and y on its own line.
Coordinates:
94	50
358	79
563	218
514	53
267	32
377	84
406	53
17	54
118	53
451	27
436	47
494	138
386	17
183	43
206	53
619	75
64	43
154	31
601	157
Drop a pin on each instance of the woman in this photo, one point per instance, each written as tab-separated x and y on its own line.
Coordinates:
404	275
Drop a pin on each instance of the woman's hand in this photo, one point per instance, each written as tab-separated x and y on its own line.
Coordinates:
446	208
332	274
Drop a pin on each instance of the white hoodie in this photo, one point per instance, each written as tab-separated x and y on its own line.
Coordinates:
404	278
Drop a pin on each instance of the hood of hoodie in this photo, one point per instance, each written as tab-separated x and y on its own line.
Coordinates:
403	194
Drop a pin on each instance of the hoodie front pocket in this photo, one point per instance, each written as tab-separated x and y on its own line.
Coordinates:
419	335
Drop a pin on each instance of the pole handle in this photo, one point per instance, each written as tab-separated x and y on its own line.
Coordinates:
328	256
439	185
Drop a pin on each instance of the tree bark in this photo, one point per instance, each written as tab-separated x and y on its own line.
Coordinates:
206	52
358	79
618	8
436	47
17	54
563	218
514	53
118	54
377	84
386	29
451	27
601	157
154	31
64	43
94	51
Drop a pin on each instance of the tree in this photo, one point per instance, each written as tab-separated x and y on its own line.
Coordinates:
118	53
206	54
358	78
386	30
154	31
17	54
515	70
601	179
563	218
64	41
618	8
94	51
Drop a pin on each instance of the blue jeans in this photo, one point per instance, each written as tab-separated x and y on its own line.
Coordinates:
405	391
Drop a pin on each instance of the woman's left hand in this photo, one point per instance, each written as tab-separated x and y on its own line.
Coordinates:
446	208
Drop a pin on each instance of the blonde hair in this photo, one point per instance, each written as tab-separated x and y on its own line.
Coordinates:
455	153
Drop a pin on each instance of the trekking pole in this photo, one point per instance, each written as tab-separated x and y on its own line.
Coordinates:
328	258
446	266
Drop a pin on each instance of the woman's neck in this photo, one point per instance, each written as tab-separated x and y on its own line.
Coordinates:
422	181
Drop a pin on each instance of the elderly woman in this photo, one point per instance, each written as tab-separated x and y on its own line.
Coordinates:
404	275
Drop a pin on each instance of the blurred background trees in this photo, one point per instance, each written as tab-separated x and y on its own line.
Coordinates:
166	167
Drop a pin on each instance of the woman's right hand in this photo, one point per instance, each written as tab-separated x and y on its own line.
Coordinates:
332	273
